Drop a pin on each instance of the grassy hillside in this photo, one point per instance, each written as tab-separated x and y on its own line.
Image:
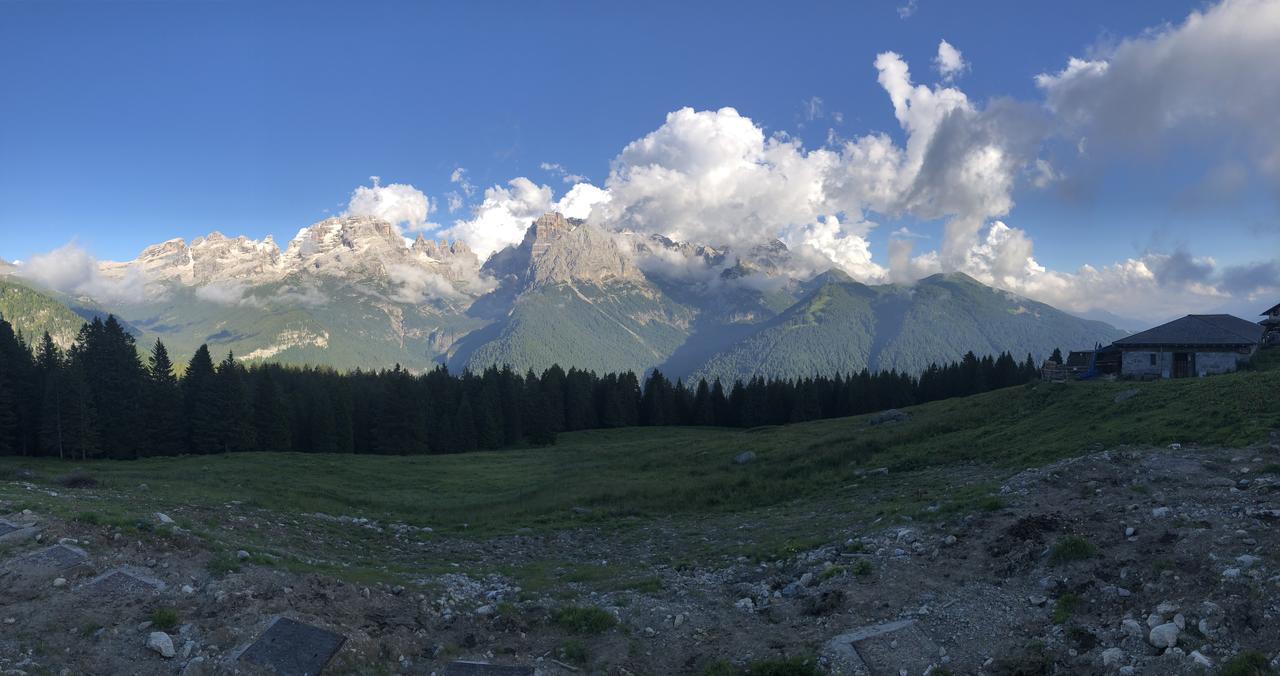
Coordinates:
33	312
844	326
674	472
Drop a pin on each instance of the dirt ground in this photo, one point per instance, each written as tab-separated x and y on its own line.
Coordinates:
1083	566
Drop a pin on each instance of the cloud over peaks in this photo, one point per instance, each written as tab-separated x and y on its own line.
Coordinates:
398	203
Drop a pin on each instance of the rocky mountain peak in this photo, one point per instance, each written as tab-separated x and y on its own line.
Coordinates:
559	250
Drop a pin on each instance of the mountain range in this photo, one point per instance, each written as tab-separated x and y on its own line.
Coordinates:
352	292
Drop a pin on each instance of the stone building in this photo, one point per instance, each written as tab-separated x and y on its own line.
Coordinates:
1272	326
1195	345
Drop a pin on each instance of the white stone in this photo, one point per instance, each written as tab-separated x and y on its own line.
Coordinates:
1201	660
1180	620
164	518
60	582
242	554
161	643
1160	512
1132	628
806	579
1112	657
1164	635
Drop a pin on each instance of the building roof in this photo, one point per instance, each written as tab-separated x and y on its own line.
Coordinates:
1274	310
1198	330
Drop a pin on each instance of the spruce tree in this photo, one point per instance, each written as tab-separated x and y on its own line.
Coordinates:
236	413
164	404
201	402
270	417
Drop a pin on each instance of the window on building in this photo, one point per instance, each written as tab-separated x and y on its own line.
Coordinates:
1153	359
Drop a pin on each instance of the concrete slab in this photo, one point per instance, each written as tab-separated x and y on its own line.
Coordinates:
885	649
465	668
28	576
123	582
292	648
54	559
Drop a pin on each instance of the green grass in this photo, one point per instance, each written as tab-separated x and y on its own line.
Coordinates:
809	482
573	651
1072	548
584	620
663	471
1250	663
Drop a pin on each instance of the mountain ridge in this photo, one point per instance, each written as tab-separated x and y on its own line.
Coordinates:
352	292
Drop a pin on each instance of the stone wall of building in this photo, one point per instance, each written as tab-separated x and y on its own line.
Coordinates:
1140	364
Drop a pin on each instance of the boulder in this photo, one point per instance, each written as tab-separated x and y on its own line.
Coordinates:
744	457
161	643
1112	657
1164	635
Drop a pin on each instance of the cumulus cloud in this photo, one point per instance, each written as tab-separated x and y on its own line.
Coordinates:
72	270
825	242
1206	78
949	61
907	9
503	216
398	203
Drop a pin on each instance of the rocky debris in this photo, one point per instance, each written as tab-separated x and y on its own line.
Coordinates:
161	643
892	415
164	519
744	457
465	668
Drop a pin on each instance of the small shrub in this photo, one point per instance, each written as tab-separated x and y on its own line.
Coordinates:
862	568
1072	548
584	620
164	619
824	603
1250	663
573	651
76	478
831	572
1065	607
796	666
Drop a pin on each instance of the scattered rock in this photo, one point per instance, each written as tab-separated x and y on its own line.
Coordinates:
242	555
1164	635
1160	512
1112	657
744	457
164	518
161	643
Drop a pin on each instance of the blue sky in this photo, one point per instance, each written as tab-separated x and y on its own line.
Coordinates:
126	123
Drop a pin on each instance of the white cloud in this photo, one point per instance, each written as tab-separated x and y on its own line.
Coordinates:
398	203
580	200
459	178
72	270
229	292
504	215
565	175
416	285
1209	79
826	242
906	9
949	61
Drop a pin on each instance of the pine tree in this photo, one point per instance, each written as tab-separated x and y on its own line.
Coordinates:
164	404
201	402
235	409
270	417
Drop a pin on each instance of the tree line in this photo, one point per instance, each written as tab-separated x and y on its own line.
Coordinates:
101	398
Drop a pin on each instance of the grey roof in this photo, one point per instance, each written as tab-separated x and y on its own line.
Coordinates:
1273	310
1222	330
